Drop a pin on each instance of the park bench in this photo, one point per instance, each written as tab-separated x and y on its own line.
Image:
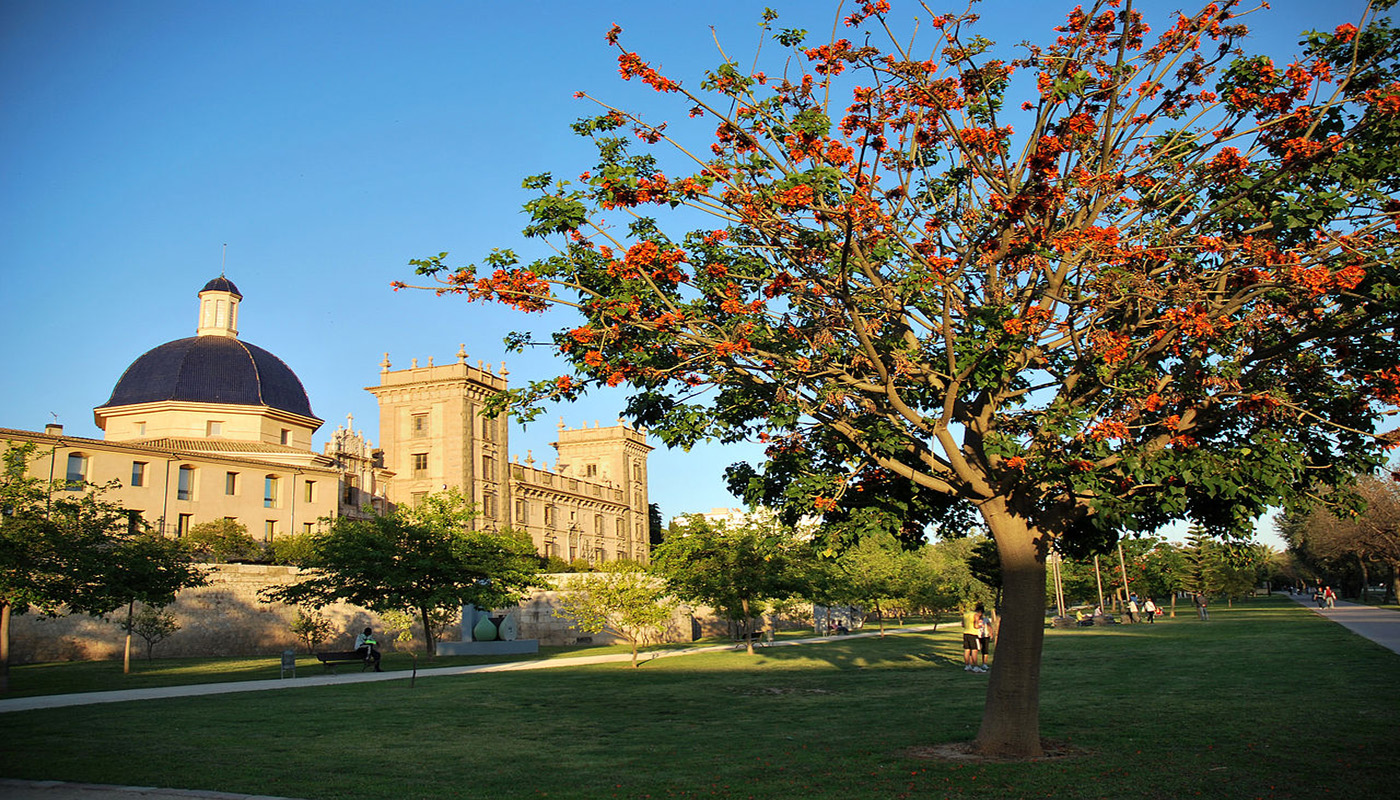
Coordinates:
330	660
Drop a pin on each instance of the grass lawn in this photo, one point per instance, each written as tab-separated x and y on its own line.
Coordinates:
1265	700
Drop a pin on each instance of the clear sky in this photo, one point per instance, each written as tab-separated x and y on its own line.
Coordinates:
326	144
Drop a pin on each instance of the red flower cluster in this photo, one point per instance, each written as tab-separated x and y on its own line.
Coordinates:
630	65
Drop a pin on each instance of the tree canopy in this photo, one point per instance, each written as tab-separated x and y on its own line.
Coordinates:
421	559
63	549
1158	284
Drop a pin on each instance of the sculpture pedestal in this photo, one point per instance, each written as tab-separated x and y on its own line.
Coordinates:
519	646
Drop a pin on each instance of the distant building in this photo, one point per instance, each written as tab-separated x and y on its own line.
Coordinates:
211	427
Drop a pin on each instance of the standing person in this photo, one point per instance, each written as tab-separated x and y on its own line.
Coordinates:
1132	609
970	631
1330	596
1202	606
365	648
984	635
1150	609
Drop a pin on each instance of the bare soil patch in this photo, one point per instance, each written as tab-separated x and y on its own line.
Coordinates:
962	753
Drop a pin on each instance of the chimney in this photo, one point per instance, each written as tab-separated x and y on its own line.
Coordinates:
53	429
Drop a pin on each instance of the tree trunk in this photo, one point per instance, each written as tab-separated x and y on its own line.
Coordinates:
126	654
1011	719
1394	581
1365	578
428	633
748	627
4	647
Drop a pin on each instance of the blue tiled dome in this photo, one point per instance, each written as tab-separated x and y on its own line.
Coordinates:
212	369
221	284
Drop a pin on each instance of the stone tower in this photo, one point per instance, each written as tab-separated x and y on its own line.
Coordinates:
434	436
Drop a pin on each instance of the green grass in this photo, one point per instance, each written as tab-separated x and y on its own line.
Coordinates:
65	677
1259	702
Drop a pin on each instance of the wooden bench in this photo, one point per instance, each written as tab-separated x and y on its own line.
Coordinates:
330	660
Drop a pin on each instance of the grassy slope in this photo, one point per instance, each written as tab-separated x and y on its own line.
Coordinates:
1266	700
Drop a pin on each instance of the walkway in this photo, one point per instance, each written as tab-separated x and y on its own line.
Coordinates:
123	695
61	790
1376	624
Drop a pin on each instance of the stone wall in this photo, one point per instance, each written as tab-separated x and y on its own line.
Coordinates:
223	618
226	618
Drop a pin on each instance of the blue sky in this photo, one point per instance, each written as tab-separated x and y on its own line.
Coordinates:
327	143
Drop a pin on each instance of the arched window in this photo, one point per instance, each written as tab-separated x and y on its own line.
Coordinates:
184	483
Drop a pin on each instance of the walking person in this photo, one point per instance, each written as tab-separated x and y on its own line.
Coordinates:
1330	596
1132	609
1150	609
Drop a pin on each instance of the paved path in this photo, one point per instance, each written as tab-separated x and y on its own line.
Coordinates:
1377	624
61	790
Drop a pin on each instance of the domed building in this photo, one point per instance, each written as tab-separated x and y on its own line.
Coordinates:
211	427
229	395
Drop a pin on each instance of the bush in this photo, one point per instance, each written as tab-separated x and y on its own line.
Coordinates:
311	628
153	624
222	540
294	550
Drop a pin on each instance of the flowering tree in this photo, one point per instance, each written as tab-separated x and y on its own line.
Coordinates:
1167	291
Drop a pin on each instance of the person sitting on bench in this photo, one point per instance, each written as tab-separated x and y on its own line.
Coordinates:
365	647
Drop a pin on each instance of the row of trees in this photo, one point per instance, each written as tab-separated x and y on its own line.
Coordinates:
1349	544
763	567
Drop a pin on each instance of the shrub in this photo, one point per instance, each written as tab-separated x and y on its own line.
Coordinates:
222	540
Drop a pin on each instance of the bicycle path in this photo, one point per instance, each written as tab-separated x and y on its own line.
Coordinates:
1376	624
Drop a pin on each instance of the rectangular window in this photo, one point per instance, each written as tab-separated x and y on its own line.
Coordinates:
590	471
133	523
140	429
419	426
549	516
184	484
269	530
230	483
521	511
488	505
286	436
138	473
420	464
306	527
488	468
270	491
182	526
417	498
214	428
310	495
77	471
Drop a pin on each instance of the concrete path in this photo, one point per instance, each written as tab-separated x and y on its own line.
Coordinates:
124	695
1377	624
61	790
